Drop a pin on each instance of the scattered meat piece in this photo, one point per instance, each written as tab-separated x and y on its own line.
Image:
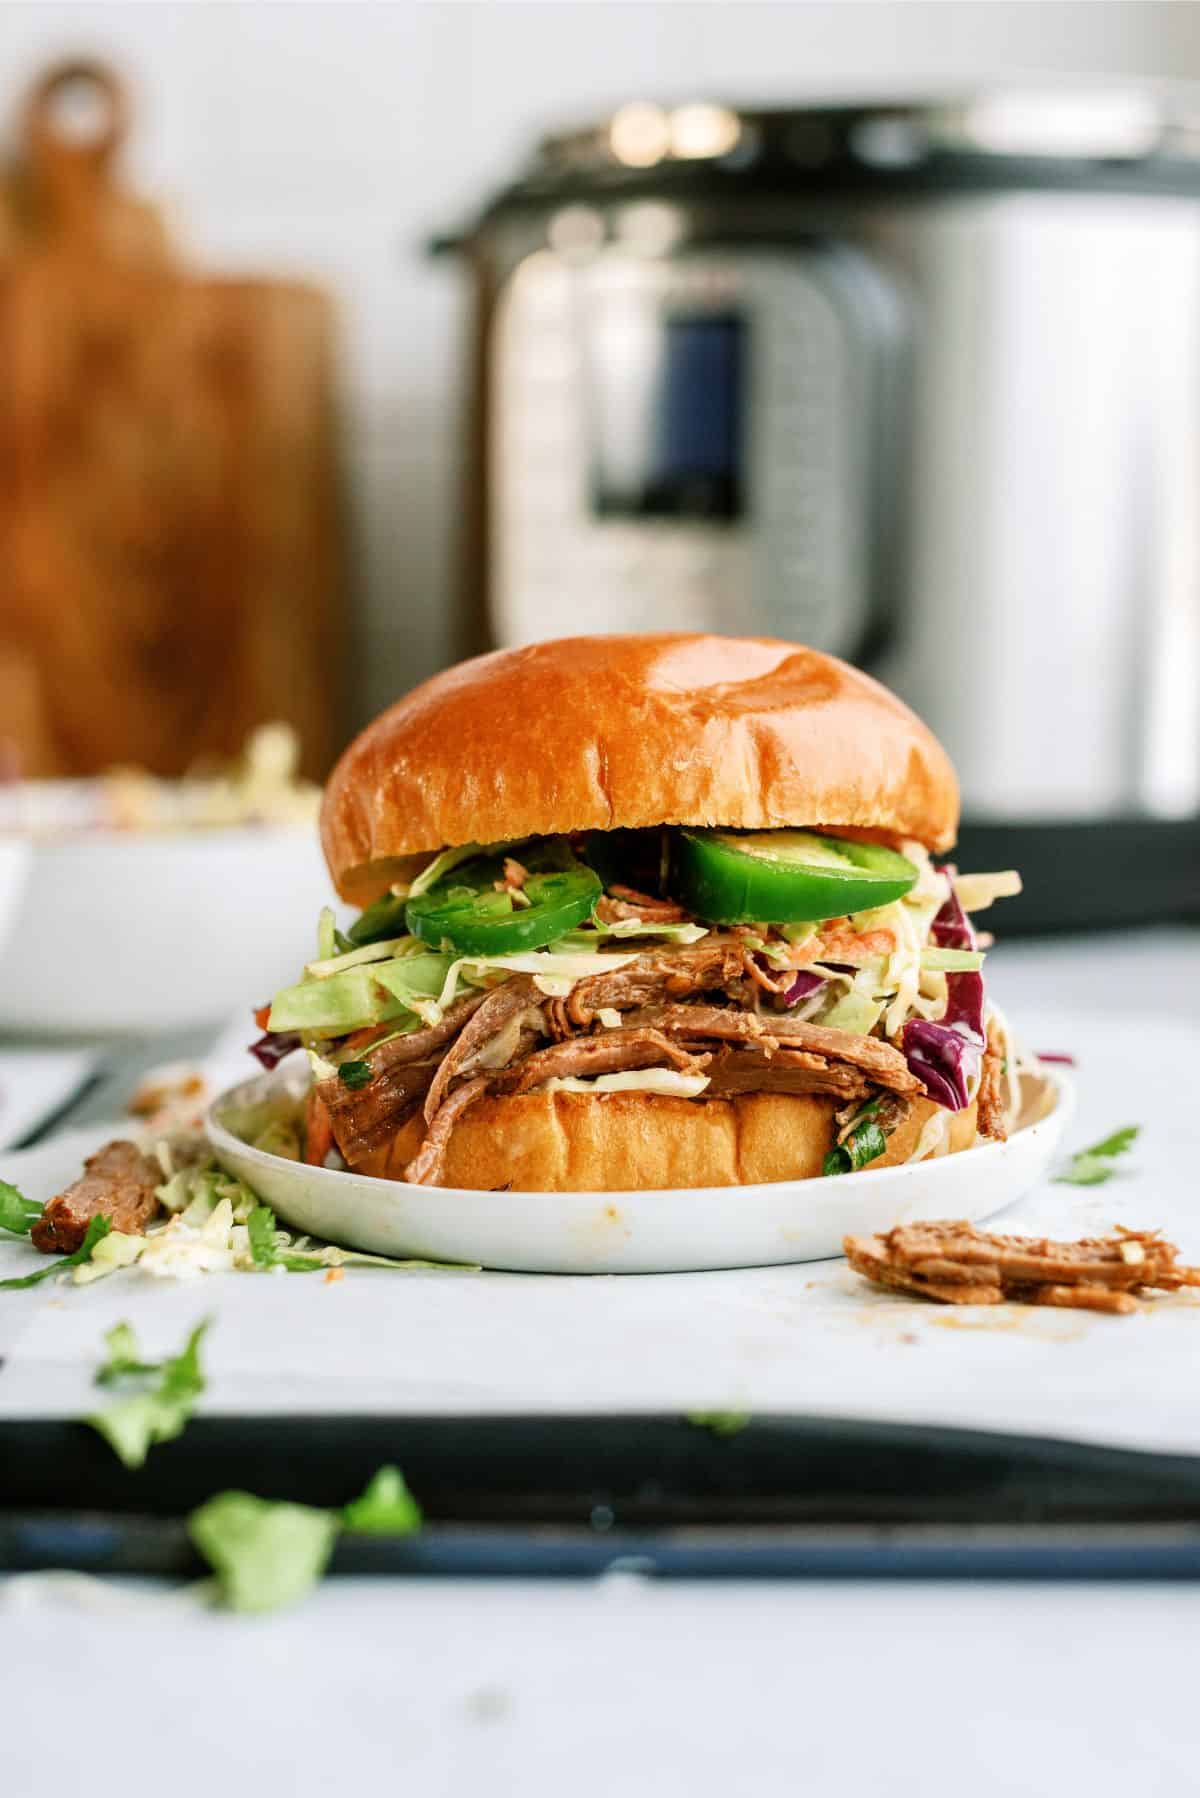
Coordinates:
118	1182
170	1098
956	1264
705	967
1081	1298
515	1006
990	1097
609	1053
514	874
318	1129
748	1069
428	1164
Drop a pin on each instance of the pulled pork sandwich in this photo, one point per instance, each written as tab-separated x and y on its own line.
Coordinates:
645	912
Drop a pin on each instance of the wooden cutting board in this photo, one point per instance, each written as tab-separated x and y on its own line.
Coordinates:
171	552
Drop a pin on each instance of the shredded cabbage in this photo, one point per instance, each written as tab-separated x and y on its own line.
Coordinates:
554	975
977	891
451	858
667	1082
389	950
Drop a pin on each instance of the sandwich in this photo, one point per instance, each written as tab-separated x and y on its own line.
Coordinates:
646	912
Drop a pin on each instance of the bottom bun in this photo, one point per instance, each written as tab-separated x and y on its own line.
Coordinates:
630	1142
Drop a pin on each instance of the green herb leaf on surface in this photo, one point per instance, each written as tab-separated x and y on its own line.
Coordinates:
264	1555
1093	1166
720	1423
17	1213
386	1508
124	1356
133	1425
97	1229
355	1074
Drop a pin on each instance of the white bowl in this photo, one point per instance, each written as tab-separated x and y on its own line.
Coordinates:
128	931
15	859
632	1232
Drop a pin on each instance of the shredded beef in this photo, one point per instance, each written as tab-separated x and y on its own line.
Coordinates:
748	1070
989	1099
868	1055
118	1182
517	999
365	1119
956	1264
884	1065
418	1045
609	1053
655	978
705	1020
428	1164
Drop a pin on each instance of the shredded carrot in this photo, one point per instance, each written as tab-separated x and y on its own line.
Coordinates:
318	1130
262	1017
853	949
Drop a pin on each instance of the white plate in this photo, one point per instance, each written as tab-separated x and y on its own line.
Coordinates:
633	1232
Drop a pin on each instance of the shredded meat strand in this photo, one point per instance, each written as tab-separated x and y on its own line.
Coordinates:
502	1005
956	1264
704	1020
366	1119
428	1164
613	1052
884	1064
705	967
747	1069
989	1099
418	1045
625	902
118	1182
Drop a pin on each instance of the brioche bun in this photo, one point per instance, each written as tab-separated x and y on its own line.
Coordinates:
596	733
631	1142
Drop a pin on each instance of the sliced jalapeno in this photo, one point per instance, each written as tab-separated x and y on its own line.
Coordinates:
783	876
467	913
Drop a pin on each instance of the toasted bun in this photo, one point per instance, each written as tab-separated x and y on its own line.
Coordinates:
595	733
629	1142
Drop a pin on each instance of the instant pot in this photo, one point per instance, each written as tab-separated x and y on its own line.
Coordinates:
916	384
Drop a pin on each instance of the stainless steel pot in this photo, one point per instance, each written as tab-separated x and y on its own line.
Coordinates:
917	384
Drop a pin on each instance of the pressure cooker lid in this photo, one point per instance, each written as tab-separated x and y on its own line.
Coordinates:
1133	138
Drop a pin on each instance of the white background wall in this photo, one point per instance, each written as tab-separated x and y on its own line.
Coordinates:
329	139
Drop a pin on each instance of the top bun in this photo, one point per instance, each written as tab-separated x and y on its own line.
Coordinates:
595	733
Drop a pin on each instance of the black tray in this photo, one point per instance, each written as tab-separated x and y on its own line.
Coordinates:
783	1496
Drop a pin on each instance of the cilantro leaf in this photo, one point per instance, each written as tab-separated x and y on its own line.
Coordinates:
263	1554
265	1252
97	1228
260	1232
1093	1166
133	1425
17	1213
355	1074
719	1423
386	1508
124	1356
